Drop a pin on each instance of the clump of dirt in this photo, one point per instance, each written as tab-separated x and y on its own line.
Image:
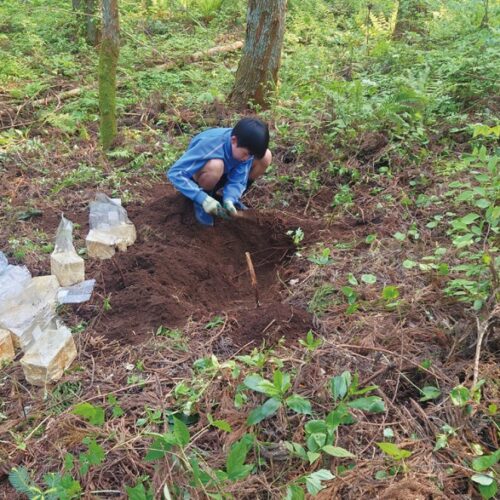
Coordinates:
179	269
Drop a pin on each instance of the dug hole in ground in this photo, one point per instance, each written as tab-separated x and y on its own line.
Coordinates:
179	271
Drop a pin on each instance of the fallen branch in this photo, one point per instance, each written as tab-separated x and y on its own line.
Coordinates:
232	47
44	101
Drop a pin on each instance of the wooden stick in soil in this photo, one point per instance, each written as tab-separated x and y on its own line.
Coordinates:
253	278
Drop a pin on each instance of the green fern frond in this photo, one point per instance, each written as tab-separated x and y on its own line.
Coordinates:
20	480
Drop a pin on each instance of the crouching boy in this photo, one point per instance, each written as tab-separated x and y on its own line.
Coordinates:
222	161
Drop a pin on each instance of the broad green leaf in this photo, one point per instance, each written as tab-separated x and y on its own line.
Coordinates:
294	492
464	240
340	385
269	389
370	279
316	441
93	414
296	449
394	451
480	464
489	491
281	381
429	392
339	416
390	292
370	404
409	264
314	481
95	453
138	492
315	426
469	218
482	479
482	203
299	404
181	432
399	236
253	382
380	475
235	463
270	407
336	451
312	456
159	448
460	395
223	425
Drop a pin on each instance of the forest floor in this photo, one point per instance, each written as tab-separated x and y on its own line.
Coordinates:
183	293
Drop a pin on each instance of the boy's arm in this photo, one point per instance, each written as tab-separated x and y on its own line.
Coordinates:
237	182
181	172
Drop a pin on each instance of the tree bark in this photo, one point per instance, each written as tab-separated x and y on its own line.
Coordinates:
259	65
108	59
411	14
91	34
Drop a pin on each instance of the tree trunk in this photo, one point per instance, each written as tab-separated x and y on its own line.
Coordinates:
90	22
258	68
411	16
108	59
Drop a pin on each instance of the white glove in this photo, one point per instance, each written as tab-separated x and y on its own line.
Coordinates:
230	208
213	207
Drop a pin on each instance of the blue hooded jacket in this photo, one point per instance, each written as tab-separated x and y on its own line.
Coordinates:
214	143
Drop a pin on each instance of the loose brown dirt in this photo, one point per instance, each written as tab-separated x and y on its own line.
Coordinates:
179	270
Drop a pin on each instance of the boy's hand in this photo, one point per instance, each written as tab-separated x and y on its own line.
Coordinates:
213	207
231	209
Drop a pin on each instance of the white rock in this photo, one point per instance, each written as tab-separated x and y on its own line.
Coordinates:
37	307
6	346
101	243
68	267
51	353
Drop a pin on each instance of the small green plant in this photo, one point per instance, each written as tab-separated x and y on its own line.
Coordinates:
214	322
297	236
484	479
175	335
277	390
116	409
106	303
394	452
310	343
352	296
59	486
93	414
321	258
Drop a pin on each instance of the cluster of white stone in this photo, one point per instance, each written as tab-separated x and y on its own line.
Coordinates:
28	319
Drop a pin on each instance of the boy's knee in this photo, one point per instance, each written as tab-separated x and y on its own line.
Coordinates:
259	167
210	174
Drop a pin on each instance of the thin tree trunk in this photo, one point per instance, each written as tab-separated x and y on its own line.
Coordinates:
90	22
108	59
259	65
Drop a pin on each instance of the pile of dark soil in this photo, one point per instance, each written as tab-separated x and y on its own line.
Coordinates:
179	270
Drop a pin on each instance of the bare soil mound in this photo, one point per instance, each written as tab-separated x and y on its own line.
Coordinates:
178	270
